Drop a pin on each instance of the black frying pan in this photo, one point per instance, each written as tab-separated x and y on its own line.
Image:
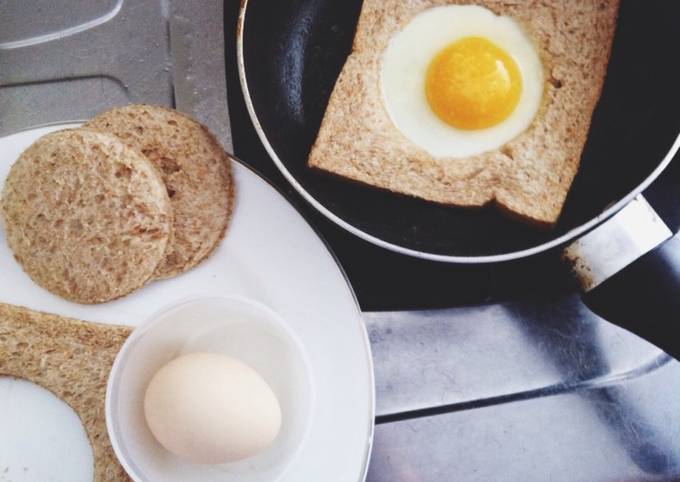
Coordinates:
291	52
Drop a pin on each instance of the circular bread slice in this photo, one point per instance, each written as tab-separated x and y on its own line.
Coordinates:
87	217
196	171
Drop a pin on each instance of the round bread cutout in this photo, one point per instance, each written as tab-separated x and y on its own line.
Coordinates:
196	171
86	217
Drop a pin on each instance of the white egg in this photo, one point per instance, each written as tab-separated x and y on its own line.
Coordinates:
210	408
406	62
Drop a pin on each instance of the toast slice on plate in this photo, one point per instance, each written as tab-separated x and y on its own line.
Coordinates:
72	359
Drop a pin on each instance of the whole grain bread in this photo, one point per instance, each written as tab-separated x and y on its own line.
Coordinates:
87	217
71	359
195	169
528	176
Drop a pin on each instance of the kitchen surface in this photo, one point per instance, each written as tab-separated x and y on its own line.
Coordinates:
483	372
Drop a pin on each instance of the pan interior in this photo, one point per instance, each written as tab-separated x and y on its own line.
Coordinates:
293	53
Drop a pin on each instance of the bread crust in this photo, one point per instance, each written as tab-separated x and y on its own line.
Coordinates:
530	175
195	169
72	359
86	217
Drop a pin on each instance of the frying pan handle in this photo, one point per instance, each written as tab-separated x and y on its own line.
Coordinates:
629	269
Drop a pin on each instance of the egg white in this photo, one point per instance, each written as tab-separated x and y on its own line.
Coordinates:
404	69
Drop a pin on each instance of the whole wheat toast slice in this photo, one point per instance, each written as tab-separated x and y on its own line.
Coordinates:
86	217
72	359
529	176
195	169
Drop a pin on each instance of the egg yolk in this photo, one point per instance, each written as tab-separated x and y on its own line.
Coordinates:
473	84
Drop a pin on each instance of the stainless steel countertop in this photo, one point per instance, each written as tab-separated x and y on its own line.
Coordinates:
517	391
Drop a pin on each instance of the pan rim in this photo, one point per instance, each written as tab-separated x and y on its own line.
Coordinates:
493	258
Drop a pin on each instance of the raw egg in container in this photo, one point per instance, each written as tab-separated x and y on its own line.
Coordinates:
213	389
211	408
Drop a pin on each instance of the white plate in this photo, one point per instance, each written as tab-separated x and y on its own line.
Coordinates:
272	255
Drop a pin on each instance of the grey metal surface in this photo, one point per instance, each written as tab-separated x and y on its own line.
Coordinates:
523	391
618	433
70	59
436	358
197	51
65	71
47	19
529	391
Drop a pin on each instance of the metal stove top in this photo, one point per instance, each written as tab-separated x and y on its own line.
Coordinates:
518	381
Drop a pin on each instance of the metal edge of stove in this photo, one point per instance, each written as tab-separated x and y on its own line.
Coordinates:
162	52
433	361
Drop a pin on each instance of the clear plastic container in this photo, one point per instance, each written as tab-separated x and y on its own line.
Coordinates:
234	326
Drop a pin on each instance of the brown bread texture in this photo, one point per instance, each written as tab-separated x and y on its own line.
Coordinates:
195	169
71	359
85	216
530	175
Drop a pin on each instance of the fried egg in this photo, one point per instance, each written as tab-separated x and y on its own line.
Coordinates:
459	80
